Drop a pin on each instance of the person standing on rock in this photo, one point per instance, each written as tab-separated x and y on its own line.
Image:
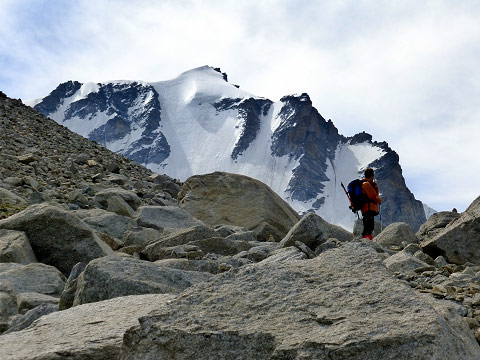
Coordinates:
372	201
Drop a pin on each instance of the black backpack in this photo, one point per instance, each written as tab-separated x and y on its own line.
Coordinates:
357	197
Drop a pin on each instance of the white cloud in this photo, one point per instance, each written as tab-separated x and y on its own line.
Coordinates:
407	72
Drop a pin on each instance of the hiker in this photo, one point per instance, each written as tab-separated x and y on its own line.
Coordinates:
370	207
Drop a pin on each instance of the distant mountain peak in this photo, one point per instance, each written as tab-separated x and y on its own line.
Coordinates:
199	123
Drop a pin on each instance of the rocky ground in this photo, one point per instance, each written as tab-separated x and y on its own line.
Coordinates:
102	259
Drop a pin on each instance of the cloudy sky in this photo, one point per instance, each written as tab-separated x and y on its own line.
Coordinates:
407	72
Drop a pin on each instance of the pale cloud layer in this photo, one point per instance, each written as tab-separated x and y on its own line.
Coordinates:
404	71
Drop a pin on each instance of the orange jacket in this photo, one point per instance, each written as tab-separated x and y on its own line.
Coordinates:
371	190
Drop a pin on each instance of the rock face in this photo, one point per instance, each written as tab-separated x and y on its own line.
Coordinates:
90	331
223	198
63	243
459	241
343	304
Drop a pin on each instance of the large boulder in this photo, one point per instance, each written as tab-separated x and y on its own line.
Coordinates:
115	276
58	237
223	198
312	230
436	223
15	247
459	241
23	321
91	331
168	218
397	234
343	304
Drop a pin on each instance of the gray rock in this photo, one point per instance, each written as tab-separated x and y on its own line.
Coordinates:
36	277
115	276
90	331
230	199
129	196
57	237
330	243
312	230
13	181
177	238
68	295
440	261
111	224
8	304
424	257
300	310
403	262
243	235
285	255
165	217
226	230
304	248
396	234
210	266
30	300
15	247
8	197
23	321
196	249
436	223
119	206
459	241
140	236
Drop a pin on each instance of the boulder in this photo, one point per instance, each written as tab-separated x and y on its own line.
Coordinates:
343	304
58	237
90	331
118	205
397	234
436	223
312	230
129	197
165	218
115	276
140	236
8	304
111	224
230	199
15	247
36	277
459	241
30	300
404	262
8	197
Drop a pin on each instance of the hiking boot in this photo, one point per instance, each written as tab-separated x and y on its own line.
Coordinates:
368	237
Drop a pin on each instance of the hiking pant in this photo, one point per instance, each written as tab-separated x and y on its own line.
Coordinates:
368	222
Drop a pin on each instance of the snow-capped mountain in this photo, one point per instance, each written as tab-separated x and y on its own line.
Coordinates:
199	123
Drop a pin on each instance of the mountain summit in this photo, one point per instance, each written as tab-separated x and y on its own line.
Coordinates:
199	123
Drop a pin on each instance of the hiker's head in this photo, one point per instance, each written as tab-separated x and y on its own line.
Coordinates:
369	173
